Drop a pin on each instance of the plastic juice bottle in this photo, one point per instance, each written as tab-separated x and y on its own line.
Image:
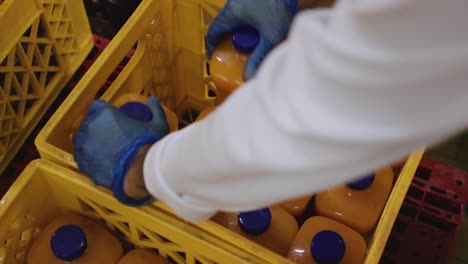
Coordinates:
357	204
322	240
74	239
142	256
296	207
135	106
273	228
229	59
228	62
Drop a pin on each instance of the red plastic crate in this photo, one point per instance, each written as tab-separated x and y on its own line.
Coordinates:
421	236
443	178
100	43
428	240
436	202
431	217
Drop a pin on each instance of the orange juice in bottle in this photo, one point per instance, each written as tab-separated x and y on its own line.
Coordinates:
134	105
229	59
322	240
74	239
273	228
296	207
142	256
359	203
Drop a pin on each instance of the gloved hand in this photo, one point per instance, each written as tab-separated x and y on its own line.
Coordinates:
271	18
108	140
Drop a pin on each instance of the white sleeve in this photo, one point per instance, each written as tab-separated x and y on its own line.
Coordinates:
354	88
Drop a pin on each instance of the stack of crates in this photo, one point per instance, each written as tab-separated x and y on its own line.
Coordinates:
169	62
42	45
28	151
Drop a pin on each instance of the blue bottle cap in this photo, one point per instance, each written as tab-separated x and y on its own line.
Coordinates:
362	184
255	222
327	247
138	111
245	39
68	242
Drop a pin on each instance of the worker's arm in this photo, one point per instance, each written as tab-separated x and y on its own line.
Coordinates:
352	90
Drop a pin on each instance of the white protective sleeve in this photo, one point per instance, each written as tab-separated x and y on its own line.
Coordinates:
354	89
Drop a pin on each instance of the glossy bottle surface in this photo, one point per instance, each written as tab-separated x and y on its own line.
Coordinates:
134	105
74	239
229	59
357	204
322	240
296	207
272	228
142	256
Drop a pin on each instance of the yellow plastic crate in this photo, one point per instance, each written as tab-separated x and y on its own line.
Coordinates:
42	44
46	190
170	63
376	241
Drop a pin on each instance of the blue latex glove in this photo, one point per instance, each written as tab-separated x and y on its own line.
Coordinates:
108	140
271	18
